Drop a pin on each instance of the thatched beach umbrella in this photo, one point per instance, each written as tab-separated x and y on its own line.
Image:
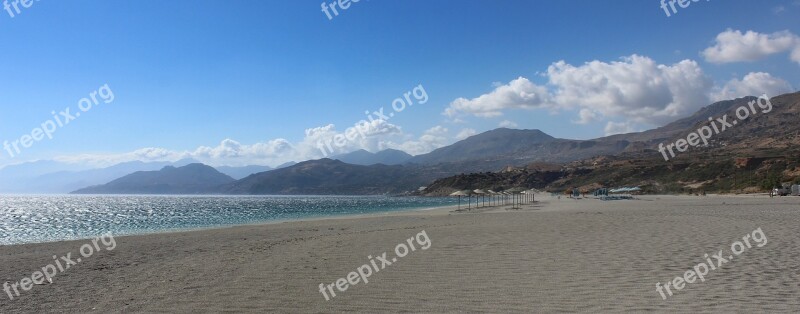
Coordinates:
482	193
515	192
532	193
460	194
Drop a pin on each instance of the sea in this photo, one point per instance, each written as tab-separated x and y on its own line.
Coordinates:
50	218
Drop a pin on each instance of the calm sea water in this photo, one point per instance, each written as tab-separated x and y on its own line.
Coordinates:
28	219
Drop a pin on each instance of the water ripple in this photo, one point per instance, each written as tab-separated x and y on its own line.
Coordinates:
29	219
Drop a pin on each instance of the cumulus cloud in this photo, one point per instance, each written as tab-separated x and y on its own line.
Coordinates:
753	84
465	133
735	46
586	116
143	154
379	135
230	149
366	135
508	124
431	139
619	128
636	88
517	94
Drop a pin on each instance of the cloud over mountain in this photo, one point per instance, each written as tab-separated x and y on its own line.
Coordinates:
735	46
636	89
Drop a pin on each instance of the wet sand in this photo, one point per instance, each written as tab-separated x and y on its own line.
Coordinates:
555	256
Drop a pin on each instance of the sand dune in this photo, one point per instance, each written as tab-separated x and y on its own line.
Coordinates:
557	256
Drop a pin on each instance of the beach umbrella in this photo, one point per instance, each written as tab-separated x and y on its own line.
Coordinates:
529	195
482	193
515	191
491	193
460	194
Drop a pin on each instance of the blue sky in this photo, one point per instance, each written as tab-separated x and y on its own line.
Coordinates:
260	82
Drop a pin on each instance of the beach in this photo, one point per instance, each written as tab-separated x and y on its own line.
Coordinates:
557	255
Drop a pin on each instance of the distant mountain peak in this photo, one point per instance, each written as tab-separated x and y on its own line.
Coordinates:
490	144
194	178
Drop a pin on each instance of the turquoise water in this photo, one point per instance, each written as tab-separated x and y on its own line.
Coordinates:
30	219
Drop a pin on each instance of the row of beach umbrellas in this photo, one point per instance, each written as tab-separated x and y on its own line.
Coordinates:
514	196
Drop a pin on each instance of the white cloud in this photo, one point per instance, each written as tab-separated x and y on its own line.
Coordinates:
105	160
735	46
465	133
795	56
586	116
431	139
517	94
636	88
379	135
508	124
618	128
752	84
229	149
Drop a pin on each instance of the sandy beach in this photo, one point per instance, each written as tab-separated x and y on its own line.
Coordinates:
554	256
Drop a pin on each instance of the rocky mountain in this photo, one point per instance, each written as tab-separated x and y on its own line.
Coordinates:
494	144
764	148
190	179
518	147
327	177
754	154
286	164
365	158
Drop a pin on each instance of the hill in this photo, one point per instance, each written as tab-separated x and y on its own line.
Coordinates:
328	177
753	155
190	179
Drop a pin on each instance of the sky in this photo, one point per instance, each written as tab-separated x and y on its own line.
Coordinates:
267	82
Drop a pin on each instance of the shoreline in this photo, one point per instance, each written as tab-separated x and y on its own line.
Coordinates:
554	252
251	224
402	212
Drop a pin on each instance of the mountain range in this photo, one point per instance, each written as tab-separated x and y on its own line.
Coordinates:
194	178
772	137
53	177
